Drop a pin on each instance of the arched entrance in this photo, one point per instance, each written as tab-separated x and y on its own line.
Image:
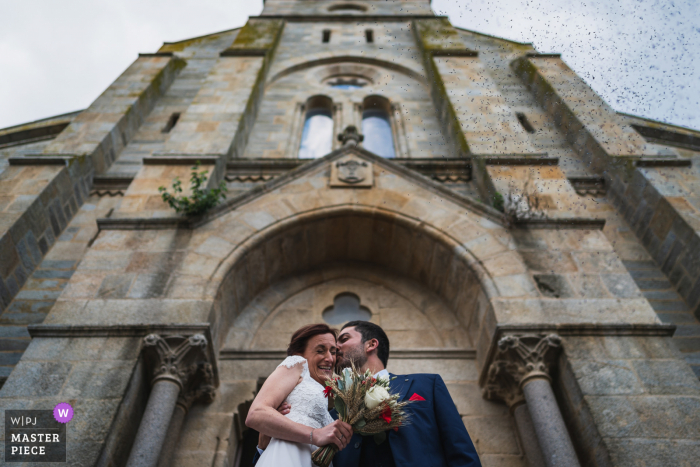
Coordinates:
418	282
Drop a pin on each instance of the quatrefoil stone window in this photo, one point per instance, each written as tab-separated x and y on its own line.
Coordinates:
346	307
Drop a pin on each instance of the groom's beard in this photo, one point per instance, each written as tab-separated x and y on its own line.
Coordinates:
355	356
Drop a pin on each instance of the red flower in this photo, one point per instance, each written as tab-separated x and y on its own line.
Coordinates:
386	415
328	391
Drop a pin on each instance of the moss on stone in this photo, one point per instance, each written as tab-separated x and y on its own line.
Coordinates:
438	34
437	86
258	34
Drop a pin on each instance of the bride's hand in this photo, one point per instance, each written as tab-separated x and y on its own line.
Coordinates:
338	433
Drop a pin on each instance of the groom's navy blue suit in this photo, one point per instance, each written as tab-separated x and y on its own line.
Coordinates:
435	437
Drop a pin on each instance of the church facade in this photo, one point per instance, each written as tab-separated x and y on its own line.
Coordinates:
474	197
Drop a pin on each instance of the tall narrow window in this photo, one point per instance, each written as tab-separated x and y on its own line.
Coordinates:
522	118
172	121
326	36
369	35
317	135
376	126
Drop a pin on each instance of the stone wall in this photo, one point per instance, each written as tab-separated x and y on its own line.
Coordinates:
630	400
42	200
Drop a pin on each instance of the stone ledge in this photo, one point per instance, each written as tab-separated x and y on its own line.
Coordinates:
135	223
113	330
181	159
111	182
156	54
231	204
539	55
243	53
519	160
454	53
133	330
579	223
663	162
346	18
398	354
39	160
584	329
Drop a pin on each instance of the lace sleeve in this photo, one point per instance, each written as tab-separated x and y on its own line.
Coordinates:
293	361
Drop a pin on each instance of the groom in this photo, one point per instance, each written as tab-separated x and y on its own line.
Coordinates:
435	436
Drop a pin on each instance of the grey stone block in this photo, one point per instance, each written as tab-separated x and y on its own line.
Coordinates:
36	379
13	331
13	344
94	420
666	377
38	294
57	264
688	330
149	286
654	284
22	318
676	318
675	305
9	358
115	286
84	349
621	285
52	274
606	377
25	256
97	380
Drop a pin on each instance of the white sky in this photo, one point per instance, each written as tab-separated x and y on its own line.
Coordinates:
642	56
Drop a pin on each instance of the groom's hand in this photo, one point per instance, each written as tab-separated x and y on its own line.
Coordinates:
264	440
284	408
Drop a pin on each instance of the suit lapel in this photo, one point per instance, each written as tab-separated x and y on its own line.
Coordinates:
402	385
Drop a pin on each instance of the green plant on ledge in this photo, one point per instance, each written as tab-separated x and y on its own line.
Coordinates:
202	199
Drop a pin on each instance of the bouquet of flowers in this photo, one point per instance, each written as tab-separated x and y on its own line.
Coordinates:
365	403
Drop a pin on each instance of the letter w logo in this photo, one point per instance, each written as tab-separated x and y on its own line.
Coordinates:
63	413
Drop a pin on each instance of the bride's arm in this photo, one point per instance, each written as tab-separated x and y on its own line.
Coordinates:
264	417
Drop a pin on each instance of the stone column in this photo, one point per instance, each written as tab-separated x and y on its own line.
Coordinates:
519	375
200	388
175	364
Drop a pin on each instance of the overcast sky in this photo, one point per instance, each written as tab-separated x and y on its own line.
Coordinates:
642	56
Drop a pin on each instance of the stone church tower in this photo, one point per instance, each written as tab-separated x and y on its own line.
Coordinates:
474	197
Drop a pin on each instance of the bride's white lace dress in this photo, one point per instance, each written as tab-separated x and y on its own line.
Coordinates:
310	408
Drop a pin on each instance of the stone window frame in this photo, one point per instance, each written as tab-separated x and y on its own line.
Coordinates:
299	118
396	121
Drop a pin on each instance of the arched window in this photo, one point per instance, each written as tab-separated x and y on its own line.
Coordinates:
317	136
376	126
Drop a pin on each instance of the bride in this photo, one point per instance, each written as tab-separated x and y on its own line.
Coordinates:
300	381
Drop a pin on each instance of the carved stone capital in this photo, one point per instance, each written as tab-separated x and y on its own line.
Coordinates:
520	359
175	358
199	387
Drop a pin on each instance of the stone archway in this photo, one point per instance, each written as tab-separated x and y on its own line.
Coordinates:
403	233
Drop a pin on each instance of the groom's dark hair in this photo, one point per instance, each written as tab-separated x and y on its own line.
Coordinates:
370	331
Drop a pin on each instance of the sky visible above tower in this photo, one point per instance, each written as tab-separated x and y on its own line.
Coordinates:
641	56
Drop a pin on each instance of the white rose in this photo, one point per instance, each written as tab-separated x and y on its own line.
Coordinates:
375	396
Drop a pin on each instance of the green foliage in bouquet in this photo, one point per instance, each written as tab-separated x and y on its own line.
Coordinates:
202	199
365	403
